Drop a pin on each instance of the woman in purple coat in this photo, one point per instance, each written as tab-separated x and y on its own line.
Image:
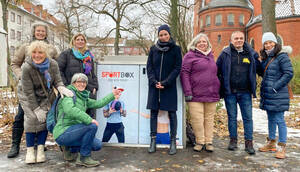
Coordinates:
201	89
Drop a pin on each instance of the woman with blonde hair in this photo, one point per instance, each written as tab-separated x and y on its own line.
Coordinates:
40	32
39	74
79	59
201	89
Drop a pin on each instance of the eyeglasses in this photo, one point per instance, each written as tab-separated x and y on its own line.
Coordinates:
80	82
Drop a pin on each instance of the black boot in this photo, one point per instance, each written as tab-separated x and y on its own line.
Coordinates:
152	147
249	147
232	144
172	150
16	140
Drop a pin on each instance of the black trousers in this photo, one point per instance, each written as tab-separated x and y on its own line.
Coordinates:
19	119
173	123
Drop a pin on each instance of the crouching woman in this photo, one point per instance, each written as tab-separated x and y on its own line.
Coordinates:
75	128
39	75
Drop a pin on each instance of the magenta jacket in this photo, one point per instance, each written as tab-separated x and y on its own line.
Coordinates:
199	77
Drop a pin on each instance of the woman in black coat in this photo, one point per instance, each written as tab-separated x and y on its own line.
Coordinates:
163	67
79	59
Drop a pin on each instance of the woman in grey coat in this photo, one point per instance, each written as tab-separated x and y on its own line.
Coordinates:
39	74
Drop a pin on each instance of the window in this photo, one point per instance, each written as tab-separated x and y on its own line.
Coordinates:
207	21
230	19
12	50
279	39
218	19
19	35
19	19
12	17
241	20
252	43
219	39
201	23
12	34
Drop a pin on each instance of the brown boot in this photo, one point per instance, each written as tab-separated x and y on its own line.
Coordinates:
269	147
280	153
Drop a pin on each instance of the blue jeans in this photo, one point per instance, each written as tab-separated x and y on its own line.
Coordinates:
277	119
112	128
82	136
41	138
245	102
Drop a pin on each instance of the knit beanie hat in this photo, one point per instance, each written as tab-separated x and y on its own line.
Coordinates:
164	27
268	36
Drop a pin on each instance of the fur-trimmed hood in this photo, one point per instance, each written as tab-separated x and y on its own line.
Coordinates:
286	49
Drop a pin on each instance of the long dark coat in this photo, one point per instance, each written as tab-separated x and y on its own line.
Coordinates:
69	65
163	67
274	92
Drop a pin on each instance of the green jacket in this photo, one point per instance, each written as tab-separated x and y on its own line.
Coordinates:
76	113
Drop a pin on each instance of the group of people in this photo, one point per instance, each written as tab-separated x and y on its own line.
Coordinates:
41	71
204	81
232	77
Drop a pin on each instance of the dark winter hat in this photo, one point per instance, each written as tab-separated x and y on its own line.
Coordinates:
116	105
164	27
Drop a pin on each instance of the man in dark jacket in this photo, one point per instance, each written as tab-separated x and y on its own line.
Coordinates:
237	73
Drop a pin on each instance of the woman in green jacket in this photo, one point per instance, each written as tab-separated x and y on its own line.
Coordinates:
75	128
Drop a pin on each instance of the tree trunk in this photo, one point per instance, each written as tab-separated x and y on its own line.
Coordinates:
174	19
118	23
268	16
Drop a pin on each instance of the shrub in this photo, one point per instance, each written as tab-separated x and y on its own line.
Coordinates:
295	83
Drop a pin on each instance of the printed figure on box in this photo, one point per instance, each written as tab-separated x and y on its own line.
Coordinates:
114	112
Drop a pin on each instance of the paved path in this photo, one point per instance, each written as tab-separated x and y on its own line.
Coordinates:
137	159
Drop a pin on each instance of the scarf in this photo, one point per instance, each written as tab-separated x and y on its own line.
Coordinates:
164	46
87	60
44	69
269	51
204	52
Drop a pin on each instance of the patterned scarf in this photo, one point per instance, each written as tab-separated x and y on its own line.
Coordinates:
87	59
44	69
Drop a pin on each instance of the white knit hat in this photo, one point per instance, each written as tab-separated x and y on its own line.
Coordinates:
268	36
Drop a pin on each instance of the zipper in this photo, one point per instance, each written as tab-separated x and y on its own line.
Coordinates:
161	62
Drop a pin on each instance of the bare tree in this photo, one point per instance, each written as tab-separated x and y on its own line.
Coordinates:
268	16
178	14
5	4
74	19
116	10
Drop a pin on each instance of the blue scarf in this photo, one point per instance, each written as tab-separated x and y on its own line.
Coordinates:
44	69
87	60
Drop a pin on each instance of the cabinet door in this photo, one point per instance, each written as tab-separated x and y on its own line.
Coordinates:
144	122
127	77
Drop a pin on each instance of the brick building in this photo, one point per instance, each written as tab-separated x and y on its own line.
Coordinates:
219	18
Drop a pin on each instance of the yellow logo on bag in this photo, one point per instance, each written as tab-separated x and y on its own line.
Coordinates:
246	60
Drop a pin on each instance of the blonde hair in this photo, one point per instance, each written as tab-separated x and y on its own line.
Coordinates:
193	43
72	45
42	45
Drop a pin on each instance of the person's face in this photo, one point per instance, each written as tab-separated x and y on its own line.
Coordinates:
80	85
238	40
79	42
268	45
40	32
202	44
38	56
164	36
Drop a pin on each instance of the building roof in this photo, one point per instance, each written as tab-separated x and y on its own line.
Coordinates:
283	9
227	3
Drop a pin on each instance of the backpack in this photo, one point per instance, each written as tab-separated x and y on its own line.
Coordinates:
52	114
